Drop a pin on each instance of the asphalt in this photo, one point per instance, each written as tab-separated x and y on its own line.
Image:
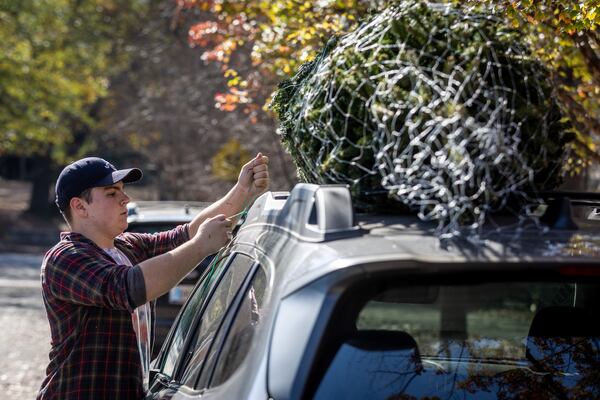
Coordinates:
25	333
21	232
28	240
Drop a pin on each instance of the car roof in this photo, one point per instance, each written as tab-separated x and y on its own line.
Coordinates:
285	227
146	212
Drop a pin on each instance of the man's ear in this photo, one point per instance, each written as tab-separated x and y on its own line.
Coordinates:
78	207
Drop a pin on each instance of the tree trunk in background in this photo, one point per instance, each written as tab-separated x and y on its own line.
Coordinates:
41	178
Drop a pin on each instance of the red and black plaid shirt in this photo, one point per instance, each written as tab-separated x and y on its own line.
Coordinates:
94	352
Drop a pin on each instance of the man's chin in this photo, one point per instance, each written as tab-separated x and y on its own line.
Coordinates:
123	228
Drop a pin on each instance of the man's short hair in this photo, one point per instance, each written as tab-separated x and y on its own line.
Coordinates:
85	195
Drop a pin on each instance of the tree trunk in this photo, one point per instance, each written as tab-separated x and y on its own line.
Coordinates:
41	178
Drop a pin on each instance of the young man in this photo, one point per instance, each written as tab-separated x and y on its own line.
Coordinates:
97	281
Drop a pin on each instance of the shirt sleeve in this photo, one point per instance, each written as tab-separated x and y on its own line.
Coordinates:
136	286
155	244
86	278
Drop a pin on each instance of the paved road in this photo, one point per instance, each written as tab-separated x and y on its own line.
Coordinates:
24	331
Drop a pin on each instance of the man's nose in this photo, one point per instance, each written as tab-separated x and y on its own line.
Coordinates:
125	199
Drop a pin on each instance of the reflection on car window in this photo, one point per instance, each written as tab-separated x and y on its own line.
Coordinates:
213	315
187	316
495	340
240	335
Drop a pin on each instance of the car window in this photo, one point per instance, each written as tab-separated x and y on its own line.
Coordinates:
241	333
489	340
190	310
213	315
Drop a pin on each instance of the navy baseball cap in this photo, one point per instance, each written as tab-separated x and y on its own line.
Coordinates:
88	173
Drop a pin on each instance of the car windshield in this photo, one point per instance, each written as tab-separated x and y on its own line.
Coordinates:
505	340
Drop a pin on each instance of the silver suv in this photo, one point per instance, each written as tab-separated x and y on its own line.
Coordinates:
313	300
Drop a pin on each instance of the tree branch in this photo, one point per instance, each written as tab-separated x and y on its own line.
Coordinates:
589	55
577	113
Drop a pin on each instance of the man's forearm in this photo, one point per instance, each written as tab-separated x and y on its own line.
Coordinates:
232	203
163	272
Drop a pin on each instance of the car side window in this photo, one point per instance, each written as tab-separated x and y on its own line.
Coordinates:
241	333
216	309
191	309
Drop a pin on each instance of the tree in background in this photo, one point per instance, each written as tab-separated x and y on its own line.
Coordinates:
162	105
566	38
56	57
228	161
259	43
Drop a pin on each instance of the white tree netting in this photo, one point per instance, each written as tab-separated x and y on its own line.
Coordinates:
437	107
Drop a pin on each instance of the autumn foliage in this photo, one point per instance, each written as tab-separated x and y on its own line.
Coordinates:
280	35
56	58
565	37
258	43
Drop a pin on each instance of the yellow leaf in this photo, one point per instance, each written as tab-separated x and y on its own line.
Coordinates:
233	82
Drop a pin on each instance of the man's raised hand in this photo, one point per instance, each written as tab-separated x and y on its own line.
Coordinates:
254	176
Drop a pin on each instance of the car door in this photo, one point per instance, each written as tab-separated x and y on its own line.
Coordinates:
231	346
199	320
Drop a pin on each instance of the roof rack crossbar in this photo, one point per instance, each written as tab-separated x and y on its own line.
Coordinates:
560	212
582	198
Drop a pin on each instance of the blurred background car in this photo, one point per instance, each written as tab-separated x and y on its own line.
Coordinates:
315	300
157	216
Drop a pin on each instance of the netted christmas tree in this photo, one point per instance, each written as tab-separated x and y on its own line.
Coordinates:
440	108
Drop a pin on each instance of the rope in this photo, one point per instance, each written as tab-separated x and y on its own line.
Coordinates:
212	266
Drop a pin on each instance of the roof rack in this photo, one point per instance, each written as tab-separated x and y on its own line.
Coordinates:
559	213
319	213
314	213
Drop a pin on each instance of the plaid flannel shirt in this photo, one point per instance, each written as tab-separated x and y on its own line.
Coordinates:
94	353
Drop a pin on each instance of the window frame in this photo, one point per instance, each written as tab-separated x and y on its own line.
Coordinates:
225	323
184	363
223	333
159	365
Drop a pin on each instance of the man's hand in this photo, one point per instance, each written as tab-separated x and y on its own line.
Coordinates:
213	234
163	272
254	176
252	182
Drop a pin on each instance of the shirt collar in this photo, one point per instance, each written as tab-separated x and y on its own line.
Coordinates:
78	237
75	237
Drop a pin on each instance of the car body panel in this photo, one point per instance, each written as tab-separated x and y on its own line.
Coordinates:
309	276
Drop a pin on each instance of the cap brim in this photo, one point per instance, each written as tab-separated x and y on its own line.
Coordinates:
123	175
128	175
